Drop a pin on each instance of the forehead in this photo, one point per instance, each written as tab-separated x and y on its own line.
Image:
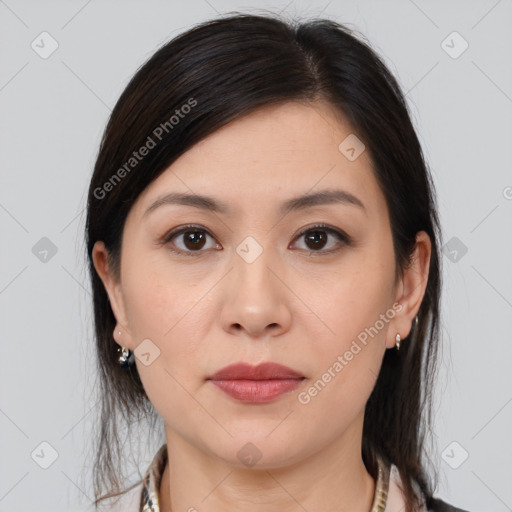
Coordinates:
275	152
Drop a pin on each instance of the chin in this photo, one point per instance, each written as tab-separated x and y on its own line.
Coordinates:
259	451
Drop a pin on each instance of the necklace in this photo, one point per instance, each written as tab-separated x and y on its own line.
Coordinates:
381	487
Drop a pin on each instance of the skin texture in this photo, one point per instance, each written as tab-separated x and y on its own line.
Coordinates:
291	305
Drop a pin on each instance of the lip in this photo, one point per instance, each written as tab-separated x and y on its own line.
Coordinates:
256	384
263	371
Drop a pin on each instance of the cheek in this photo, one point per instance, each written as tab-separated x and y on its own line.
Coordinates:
169	308
173	317
148	306
157	296
169	315
349	303
347	362
351	322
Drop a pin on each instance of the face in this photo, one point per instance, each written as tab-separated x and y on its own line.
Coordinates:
311	287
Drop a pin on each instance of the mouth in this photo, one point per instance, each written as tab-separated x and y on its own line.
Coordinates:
256	384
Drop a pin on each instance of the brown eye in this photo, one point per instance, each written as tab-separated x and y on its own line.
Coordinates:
189	239
318	238
193	240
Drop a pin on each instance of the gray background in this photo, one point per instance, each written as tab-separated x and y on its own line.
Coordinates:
53	112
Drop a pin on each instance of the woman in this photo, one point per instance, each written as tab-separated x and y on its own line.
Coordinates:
263	244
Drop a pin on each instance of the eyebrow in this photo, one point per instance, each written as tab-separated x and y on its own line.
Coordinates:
207	203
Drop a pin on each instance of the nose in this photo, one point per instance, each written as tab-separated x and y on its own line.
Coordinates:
256	300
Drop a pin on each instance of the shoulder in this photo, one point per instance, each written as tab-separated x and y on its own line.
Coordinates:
396	500
438	505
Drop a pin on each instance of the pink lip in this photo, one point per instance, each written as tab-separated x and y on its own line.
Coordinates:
256	384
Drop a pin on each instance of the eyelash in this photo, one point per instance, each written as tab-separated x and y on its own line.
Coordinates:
344	238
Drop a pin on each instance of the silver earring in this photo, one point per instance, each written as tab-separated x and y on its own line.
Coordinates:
397	339
125	358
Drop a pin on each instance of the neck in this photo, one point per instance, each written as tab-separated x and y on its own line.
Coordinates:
333	480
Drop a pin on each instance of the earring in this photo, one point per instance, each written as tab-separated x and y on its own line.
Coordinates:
125	358
397	339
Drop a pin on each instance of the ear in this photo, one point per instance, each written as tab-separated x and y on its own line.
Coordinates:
115	295
411	288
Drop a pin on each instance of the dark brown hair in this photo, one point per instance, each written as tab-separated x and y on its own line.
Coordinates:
224	69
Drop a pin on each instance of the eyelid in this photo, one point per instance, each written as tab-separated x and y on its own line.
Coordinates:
326	227
344	238
179	231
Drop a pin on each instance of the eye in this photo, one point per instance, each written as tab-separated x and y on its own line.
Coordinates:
192	239
189	239
318	238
